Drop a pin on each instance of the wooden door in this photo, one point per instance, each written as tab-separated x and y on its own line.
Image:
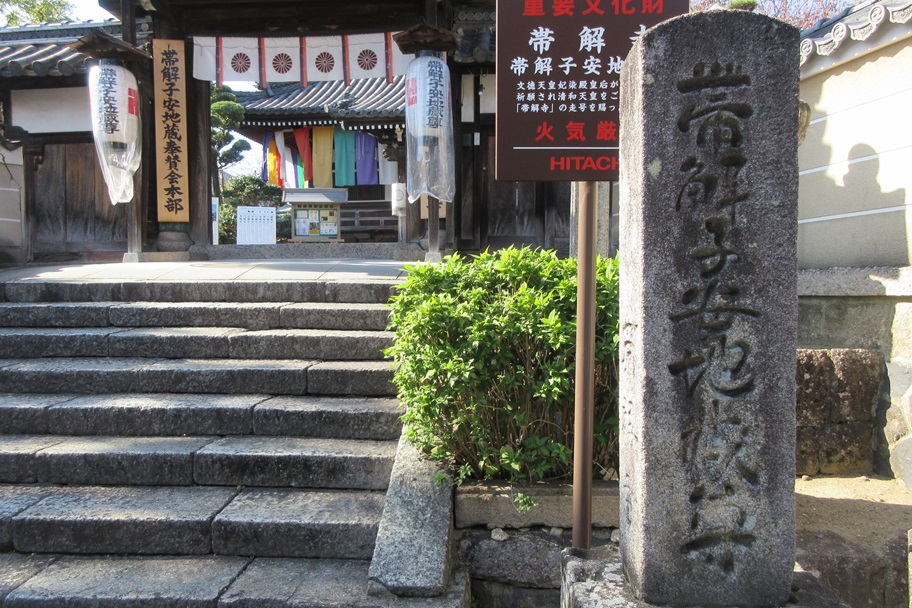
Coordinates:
71	214
515	211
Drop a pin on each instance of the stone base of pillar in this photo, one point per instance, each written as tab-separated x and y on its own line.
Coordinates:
163	256
173	241
595	579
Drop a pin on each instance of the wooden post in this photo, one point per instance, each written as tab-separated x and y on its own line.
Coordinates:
135	208
199	145
433	224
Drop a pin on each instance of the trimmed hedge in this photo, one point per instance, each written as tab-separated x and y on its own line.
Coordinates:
485	363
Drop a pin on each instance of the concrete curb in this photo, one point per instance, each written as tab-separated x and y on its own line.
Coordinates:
413	552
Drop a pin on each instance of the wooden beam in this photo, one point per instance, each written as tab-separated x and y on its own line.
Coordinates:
128	22
276	18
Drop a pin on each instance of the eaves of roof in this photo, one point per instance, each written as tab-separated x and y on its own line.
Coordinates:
43	50
863	23
368	98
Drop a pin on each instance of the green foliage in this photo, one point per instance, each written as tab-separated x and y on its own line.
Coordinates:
225	116
227	223
524	502
22	12
486	358
251	191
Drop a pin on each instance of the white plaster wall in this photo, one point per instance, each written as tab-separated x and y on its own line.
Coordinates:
855	186
12	207
51	110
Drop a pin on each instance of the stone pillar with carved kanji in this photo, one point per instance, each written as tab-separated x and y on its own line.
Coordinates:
709	188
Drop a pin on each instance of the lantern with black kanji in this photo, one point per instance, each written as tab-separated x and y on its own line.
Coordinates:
114	99
429	129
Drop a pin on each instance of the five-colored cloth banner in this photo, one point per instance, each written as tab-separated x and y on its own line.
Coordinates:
325	157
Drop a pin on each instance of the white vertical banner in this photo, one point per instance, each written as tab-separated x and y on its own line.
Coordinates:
400	61
290	171
367	56
325	60
283	59
240	59
204	58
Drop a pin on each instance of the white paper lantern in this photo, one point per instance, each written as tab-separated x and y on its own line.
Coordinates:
427	101
429	129
114	100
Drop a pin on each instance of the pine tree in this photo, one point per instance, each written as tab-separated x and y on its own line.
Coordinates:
226	115
21	12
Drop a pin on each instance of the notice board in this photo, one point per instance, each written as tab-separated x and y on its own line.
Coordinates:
558	84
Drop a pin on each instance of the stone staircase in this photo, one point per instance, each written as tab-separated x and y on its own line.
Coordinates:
195	444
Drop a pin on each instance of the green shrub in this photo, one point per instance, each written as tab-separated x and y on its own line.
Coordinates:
485	352
227	223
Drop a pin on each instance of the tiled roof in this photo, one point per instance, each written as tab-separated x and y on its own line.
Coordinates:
43	50
368	98
857	23
41	60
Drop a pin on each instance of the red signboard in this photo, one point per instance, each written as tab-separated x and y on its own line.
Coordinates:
558	79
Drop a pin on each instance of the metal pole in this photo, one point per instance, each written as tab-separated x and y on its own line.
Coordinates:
585	367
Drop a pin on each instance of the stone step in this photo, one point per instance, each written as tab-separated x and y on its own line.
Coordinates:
13	500
120	290
22	343
205	581
97	460
330	417
128	375
182	461
325	344
272	522
307	583
133	520
54	314
295	462
226	376
299	523
246	315
317	315
186	414
363	378
168	343
193	342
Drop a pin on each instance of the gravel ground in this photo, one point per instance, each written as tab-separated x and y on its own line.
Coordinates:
865	510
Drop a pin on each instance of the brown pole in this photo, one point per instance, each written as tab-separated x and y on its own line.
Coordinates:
585	367
134	209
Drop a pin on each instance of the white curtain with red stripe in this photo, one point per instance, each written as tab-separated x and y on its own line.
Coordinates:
325	60
288	60
367	56
283	59
240	59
